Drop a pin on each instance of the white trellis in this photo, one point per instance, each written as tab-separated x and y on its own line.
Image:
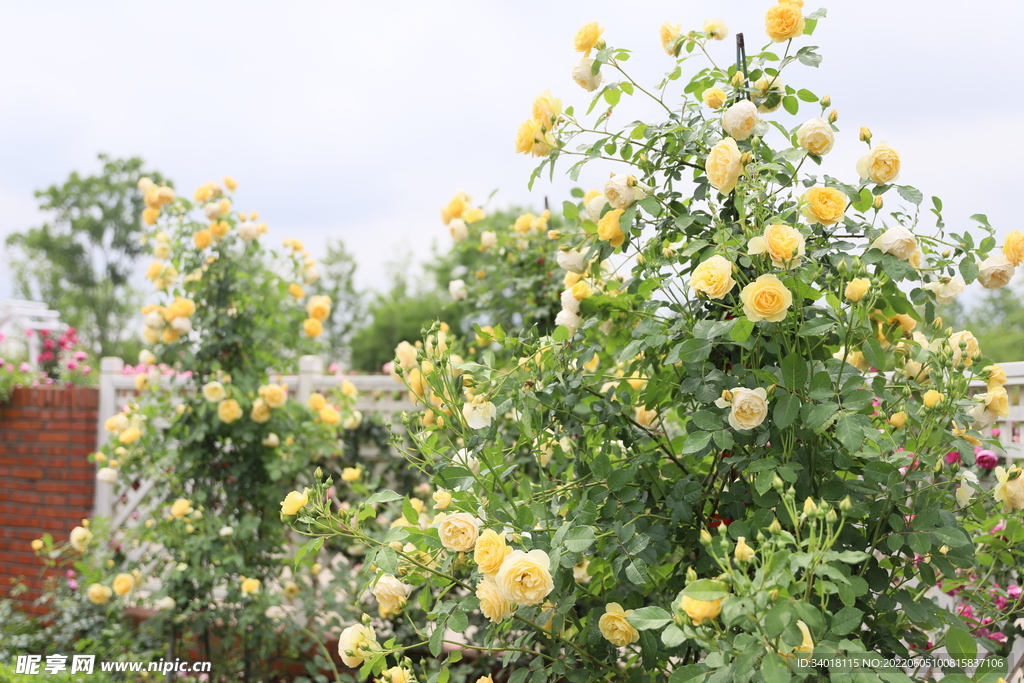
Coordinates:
18	317
379	395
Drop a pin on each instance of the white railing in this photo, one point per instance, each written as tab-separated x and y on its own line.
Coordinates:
380	396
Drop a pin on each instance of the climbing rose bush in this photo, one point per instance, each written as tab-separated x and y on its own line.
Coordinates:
733	450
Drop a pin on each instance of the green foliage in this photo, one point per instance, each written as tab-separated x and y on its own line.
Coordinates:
337	271
81	261
997	320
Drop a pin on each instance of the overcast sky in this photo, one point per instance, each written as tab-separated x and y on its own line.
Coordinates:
359	120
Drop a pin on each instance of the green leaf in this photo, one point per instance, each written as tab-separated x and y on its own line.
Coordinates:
387	560
740	332
849	433
696	442
650	205
874	354
647	618
790	104
794	371
961	644
819	414
774	669
435	639
806	95
570	210
636	571
846	620
458	621
706	590
691	673
786	410
673	636
311	547
911	194
694	350
969	269
385	496
579	538
612	95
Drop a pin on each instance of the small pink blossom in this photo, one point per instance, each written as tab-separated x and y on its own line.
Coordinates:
953	457
1014	591
987	459
996	431
86	369
964	610
72	365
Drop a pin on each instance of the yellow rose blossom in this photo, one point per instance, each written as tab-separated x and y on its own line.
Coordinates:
442	499
1013	247
525	578
716	28
784	22
123	584
783	243
154	270
203	239
250	586
356	643
458	532
220	229
588	37
396	674
37	545
260	411
669	34
150	215
329	415
473	215
906	323
351	474
181	507
581	290
494	605
294	502
296	290
997	401
490	551
996	375
713	277
454	208
608	228
530	139
743	552
349	389
130	435
714	97
857	288
723	166
546	109
228	411
824	205
316	401
275	395
700	610
766	298
79	538
1010	488
319	307
615	626
230	183
881	165
98	594
932	398
312	327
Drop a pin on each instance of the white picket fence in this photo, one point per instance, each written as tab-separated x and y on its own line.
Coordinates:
380	396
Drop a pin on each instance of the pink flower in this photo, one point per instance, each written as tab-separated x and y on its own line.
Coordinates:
964	610
29	333
987	459
72	584
953	457
998	636
46	356
996	432
1001	603
1014	591
333	368
72	365
388	367
86	369
70	573
998	527
81	355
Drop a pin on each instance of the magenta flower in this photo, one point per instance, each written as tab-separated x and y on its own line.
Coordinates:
987	459
72	365
81	355
952	457
996	431
1014	591
72	584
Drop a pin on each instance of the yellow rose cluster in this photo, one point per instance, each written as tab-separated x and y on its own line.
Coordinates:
156	197
535	134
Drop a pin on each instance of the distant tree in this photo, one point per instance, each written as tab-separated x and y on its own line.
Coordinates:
337	273
81	261
997	320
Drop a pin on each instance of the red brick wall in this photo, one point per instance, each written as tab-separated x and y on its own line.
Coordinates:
46	484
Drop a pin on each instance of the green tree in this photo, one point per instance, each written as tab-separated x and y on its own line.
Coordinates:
349	307
997	320
81	261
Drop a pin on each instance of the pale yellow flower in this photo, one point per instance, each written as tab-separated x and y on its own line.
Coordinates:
713	277
588	37
824	205
458	532
294	502
700	610
783	243
490	551
783	22
766	298
123	584
494	605
525	578
98	594
615	626
857	288
723	165
228	411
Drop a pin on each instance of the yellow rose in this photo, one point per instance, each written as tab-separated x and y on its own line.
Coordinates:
898	420
391	594
316	401
748	407
312	327
996	375
997	401
473	215
162	251
260	411
525	578
713	277
296	290
130	435
80	538
669	34
857	288
203	239
743	552
228	411
546	109
329	415
881	165
766	298
620	191
220	228
583	75
458	532
588	37
615	626
123	584
824	205
816	136
37	545
967	354
740	119
356	643
349	389
608	228
700	610
294	502
214	392
1013	248
454	208
396	674
996	271
714	97
493	604
723	166
932	398
276	395
491	551
530	139
250	586
581	290
1009	492
351	474
154	270
784	22
150	215
906	323
117	423
784	244
181	507
716	28
442	499
319	307
98	594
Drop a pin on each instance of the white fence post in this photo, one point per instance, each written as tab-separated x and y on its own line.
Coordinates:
103	501
310	367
